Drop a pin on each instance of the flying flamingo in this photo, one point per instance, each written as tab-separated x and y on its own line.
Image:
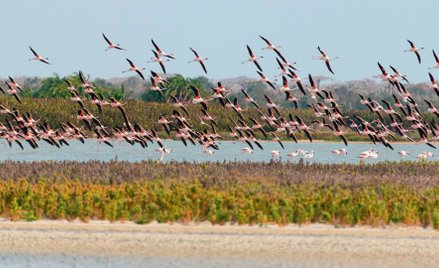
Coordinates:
156	87
434	85
284	60
264	79
198	98
436	59
111	45
325	58
158	59
384	74
269	44
11	90
285	86
160	52
158	78
399	74
102	138
248	98
338	132
290	97
134	68
253	58
178	104
431	108
38	57
415	50
198	59
162	151
296	79
14	83
270	104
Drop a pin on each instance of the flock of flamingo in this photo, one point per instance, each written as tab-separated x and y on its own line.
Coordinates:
403	116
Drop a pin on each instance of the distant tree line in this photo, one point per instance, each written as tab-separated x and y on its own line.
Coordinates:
178	85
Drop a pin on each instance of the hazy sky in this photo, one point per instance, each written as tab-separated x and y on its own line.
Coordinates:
360	32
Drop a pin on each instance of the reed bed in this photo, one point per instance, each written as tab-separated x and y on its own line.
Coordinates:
53	111
242	193
58	110
412	174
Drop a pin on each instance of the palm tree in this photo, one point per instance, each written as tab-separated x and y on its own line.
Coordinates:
177	86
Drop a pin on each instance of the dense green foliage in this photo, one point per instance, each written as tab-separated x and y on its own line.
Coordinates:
56	87
223	192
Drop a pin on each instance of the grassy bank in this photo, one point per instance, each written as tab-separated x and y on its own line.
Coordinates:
243	193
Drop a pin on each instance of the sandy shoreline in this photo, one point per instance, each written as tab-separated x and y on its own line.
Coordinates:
313	245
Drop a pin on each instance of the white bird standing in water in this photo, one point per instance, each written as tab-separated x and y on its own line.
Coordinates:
294	154
424	155
208	151
275	154
247	150
309	155
341	151
403	153
371	153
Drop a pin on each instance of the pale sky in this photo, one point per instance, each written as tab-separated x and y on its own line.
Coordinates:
359	32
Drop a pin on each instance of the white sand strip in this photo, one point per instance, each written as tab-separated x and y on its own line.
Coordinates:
312	245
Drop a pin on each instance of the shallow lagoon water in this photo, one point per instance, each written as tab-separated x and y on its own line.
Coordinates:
29	260
229	151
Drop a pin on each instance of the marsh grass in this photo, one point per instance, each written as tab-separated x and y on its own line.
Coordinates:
242	193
